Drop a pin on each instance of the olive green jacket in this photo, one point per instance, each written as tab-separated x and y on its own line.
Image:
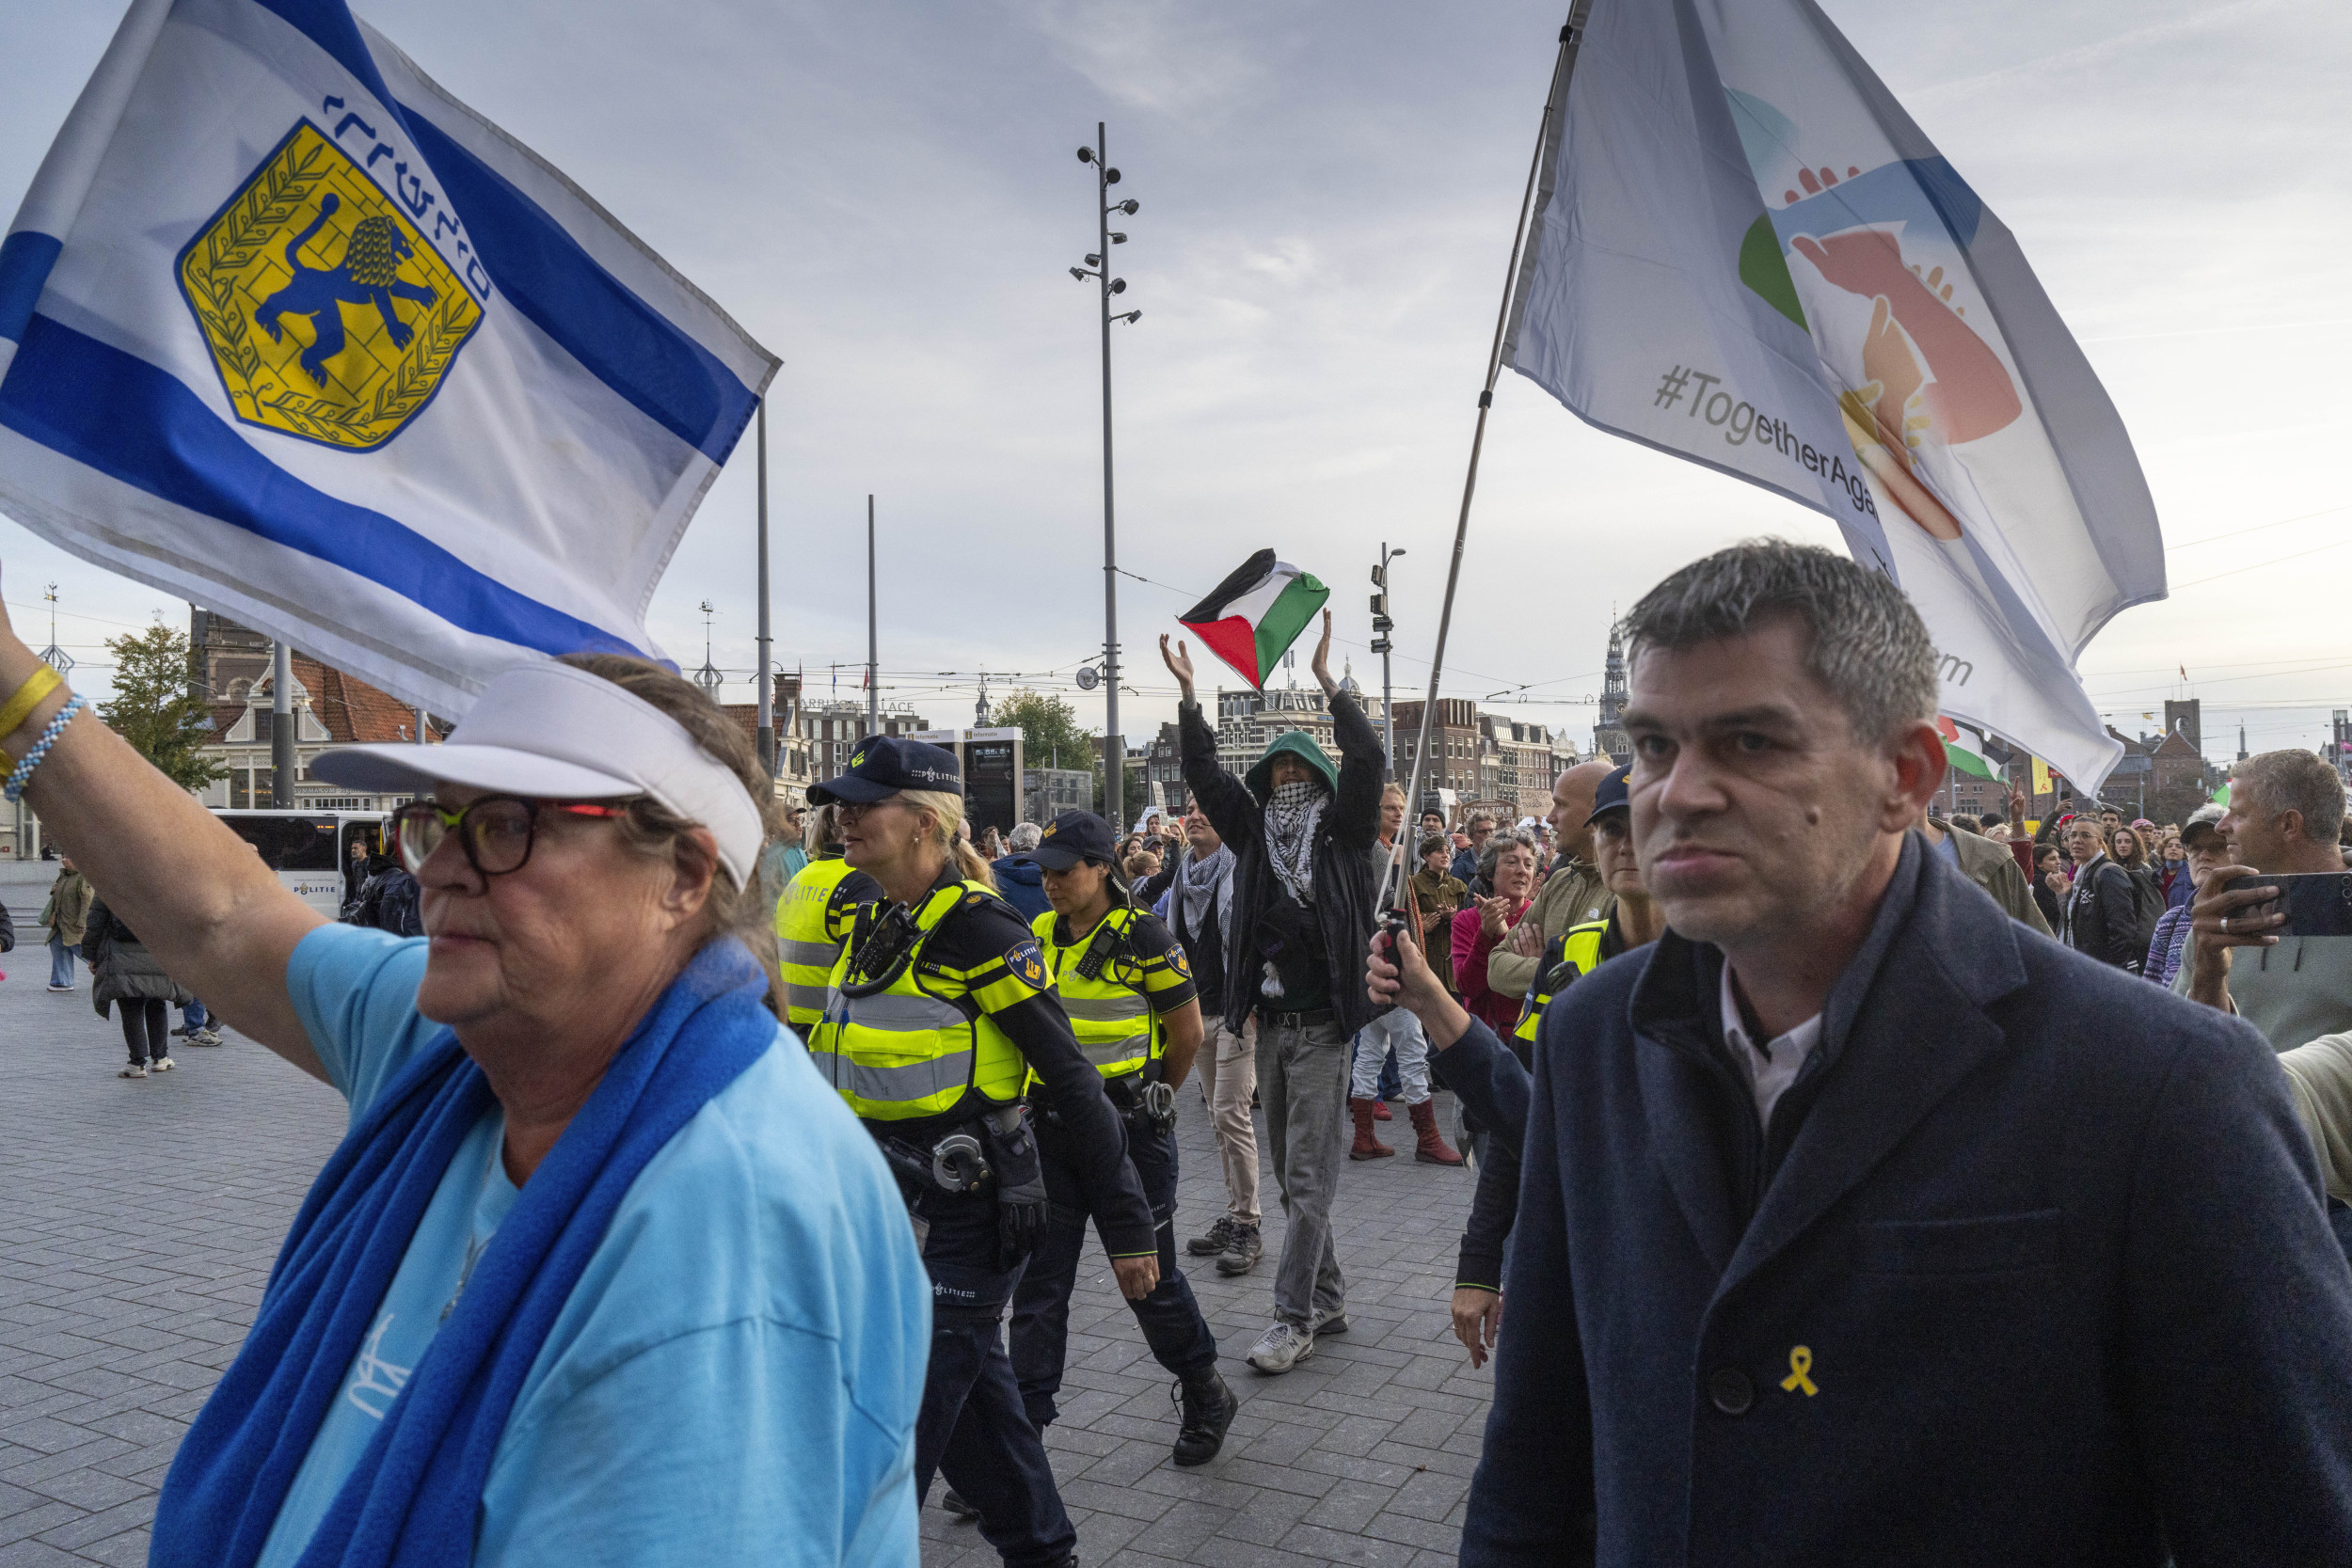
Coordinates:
1992	867
67	913
1572	894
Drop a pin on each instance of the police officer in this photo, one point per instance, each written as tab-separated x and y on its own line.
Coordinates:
813	920
1129	993
1635	921
937	1013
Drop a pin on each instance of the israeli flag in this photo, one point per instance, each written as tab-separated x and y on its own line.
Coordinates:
287	331
1747	254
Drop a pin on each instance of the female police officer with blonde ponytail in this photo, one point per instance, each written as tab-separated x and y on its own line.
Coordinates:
940	1009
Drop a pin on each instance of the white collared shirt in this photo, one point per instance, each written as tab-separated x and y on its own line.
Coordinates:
1772	1066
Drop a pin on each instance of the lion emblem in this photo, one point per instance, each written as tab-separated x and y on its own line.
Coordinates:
369	274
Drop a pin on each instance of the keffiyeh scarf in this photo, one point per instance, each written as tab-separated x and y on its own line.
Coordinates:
1292	813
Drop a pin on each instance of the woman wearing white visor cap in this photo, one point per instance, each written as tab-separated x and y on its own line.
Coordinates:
602	1272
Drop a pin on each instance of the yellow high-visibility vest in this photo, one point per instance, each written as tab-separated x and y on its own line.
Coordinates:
920	1047
810	931
1576	951
1111	1014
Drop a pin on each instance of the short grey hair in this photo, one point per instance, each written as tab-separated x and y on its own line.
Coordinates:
2294	781
1498	845
1026	837
1870	648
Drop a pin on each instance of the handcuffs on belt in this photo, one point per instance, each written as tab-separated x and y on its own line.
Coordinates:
1150	1100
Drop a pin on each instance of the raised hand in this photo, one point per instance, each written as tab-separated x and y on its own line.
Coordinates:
1179	662
1322	659
1494	916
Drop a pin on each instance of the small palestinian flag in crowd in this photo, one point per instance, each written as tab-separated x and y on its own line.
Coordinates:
1965	750
1255	616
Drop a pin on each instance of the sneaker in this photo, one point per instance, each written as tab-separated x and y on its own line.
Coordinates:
208	1035
1281	1347
136	1069
1243	1248
65	991
1335	1323
161	1064
184	1029
961	1512
1220	1234
1205	1407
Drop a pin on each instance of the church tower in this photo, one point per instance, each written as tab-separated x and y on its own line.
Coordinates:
1609	737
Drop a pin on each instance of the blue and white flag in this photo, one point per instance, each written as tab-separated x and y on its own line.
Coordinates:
1748	255
287	331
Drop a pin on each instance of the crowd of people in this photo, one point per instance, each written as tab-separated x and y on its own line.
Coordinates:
1862	1184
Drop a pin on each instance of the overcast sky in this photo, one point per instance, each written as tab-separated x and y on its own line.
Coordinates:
885	193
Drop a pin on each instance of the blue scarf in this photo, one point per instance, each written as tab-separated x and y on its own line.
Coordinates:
413	1497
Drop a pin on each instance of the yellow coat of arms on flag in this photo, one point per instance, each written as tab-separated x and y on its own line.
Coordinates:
328	315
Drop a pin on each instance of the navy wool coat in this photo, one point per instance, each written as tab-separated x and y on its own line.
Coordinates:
2032	1269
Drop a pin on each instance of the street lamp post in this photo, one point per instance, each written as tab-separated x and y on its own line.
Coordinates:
1098	267
1381	626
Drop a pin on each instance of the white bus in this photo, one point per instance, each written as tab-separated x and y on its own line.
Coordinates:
310	849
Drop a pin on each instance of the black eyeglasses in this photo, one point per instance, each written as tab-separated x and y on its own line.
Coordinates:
495	831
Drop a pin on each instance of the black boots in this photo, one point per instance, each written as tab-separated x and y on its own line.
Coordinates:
1208	1408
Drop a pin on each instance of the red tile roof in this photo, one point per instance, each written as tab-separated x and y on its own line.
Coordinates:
352	710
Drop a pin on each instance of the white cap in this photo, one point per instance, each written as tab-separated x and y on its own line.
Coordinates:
555	732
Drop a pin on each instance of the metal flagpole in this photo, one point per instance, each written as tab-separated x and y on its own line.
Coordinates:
1113	747
1399	857
873	645
767	695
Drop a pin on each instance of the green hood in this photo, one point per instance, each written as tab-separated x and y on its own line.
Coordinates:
1301	745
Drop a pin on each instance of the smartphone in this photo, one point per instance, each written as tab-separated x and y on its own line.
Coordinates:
2316	904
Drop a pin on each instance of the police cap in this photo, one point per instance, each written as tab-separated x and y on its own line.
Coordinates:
1072	837
886	764
1613	794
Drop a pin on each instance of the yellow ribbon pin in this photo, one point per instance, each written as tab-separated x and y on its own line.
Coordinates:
1800	1368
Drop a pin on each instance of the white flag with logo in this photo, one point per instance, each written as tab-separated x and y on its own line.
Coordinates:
287	330
1746	254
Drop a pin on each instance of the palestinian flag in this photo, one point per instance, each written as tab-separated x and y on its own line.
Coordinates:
1965	750
1256	614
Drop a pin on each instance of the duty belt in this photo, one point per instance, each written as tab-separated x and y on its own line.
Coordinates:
1269	1019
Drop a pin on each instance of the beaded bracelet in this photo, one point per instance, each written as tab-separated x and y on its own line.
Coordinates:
14	789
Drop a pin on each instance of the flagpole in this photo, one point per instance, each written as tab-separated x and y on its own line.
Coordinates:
1398	859
765	688
873	643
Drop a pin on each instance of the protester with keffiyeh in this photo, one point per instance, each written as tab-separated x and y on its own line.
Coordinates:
1305	887
589	1179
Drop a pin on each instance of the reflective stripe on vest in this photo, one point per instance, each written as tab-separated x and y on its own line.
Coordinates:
918	1047
1113	1022
1578	948
805	950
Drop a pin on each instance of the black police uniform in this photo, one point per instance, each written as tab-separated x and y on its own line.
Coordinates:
970	1427
1169	1315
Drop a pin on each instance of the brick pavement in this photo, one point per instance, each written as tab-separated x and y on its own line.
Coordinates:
138	1221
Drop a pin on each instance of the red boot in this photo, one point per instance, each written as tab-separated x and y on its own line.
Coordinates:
1381	1111
1433	1150
1367	1146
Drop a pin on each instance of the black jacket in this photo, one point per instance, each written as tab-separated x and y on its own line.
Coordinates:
2049	1240
122	969
2103	915
1347	884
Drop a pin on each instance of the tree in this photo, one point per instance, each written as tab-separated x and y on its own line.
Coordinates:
1051	736
155	706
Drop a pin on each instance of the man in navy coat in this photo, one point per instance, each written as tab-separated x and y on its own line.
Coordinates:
1858	1223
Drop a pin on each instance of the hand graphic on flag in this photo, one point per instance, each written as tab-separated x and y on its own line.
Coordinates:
1254	615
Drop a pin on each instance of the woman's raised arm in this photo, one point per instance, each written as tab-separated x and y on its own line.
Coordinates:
216	917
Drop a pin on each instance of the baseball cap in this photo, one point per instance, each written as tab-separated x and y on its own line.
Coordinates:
1071	837
2205	820
1612	795
555	732
886	764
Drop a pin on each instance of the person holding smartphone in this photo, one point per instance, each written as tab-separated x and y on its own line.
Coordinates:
2287	810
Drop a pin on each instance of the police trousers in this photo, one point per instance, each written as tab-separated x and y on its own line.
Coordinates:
972	1428
1170	1317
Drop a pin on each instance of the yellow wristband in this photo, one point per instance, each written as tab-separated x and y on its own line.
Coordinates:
19	707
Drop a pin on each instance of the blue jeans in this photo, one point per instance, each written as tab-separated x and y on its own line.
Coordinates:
60	963
194	1017
1170	1317
971	1428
